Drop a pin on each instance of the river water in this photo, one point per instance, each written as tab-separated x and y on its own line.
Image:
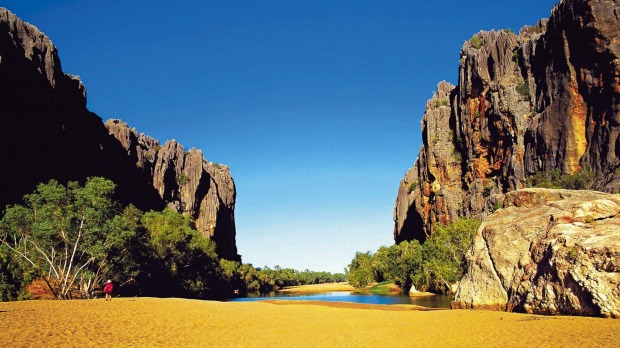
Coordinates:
437	301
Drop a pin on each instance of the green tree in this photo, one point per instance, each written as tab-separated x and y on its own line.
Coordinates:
360	270
408	264
67	235
443	255
384	264
187	260
13	275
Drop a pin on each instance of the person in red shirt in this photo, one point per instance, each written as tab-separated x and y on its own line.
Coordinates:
107	288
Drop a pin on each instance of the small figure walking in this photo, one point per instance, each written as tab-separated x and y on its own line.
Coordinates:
108	290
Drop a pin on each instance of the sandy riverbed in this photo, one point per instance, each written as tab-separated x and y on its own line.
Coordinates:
318	288
179	322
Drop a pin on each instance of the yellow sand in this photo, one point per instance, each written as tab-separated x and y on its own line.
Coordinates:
150	322
316	288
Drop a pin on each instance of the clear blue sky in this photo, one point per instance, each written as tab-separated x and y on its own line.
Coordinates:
314	105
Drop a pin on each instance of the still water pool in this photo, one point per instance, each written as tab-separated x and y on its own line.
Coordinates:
431	301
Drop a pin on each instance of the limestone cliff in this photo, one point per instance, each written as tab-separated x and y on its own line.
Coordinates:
547	98
47	132
187	182
547	252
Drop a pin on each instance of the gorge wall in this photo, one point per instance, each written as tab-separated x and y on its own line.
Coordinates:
545	99
48	133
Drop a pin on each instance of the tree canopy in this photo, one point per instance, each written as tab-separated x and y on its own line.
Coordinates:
75	237
433	266
68	235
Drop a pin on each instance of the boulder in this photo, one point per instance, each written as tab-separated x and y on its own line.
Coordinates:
547	252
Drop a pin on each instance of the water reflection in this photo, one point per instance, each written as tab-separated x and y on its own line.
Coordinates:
437	301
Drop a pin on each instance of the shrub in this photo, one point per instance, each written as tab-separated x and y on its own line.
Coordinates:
573	254
498	206
578	181
182	179
554	179
515	55
524	89
412	187
475	41
487	190
441	102
456	154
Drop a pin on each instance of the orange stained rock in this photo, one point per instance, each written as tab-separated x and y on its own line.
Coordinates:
576	122
474	107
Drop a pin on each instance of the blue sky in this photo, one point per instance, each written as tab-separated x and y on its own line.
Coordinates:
314	105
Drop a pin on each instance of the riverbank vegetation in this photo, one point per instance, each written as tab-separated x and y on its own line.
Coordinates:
433	266
75	237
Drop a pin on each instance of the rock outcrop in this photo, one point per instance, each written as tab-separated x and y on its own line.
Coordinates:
47	132
545	99
187	182
547	252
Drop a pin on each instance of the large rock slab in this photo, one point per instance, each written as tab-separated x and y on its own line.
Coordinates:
547	252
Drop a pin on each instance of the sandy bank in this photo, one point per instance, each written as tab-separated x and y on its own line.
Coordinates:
317	288
179	322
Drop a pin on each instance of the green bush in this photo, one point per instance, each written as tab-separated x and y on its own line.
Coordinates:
515	55
578	181
573	253
555	179
523	89
412	187
486	192
456	154
498	206
182	179
441	102
475	41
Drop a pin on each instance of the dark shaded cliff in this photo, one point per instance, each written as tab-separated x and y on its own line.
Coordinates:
47	132
545	99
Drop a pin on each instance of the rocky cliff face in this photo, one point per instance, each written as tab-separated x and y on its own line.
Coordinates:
548	252
545	99
47	132
187	182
